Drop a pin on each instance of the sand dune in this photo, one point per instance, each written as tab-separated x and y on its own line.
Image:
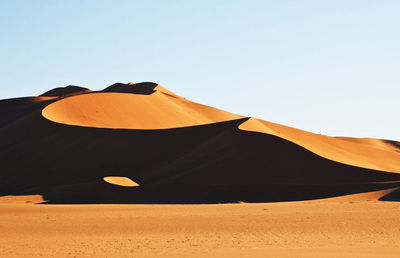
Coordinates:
176	151
374	155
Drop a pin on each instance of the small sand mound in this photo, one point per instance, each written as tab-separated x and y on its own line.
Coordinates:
120	180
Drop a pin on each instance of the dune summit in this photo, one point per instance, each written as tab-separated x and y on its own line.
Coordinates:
68	144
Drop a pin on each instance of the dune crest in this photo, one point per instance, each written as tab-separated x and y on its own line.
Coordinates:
69	90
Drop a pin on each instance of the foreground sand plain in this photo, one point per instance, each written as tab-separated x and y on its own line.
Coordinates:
328	228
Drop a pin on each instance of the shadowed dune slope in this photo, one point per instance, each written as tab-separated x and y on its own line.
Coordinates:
70	152
14	109
207	163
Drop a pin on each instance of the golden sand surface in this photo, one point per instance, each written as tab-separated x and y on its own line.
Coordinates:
320	228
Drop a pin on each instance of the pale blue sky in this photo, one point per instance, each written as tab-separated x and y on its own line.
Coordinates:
330	67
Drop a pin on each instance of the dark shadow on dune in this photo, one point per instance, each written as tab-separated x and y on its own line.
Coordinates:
210	163
14	109
65	91
196	194
144	88
392	197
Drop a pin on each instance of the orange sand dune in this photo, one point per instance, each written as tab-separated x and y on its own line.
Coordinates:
377	155
70	147
163	109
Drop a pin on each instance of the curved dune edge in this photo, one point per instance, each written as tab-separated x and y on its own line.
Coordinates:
120	180
336	149
160	110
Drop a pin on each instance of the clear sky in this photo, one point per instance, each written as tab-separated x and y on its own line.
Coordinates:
330	67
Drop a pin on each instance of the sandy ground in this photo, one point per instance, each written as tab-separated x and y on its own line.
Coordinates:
294	229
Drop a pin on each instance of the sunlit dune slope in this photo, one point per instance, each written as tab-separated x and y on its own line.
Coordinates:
156	110
377	143
377	154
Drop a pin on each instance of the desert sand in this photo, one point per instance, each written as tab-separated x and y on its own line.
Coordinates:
292	229
156	174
